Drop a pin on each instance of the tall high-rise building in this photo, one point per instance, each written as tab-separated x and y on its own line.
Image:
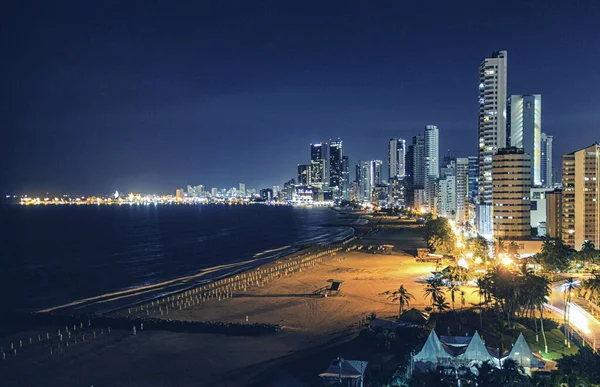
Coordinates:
214	192
335	167
242	189
401	157
365	176
524	129
288	189
191	191
462	184
492	129
304	174
511	174
432	164
358	181
396	158
546	161
375	173
447	198
418	161
317	164
554	214
345	178
432	151
473	176
392	158
581	197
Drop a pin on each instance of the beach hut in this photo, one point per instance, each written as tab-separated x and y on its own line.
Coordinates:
414	316
343	372
334	288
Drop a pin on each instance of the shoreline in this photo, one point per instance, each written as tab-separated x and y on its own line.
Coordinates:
166	291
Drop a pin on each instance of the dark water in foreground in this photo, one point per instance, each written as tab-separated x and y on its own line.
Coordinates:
55	255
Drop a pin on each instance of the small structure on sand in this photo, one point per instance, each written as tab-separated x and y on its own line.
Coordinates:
414	316
343	372
334	288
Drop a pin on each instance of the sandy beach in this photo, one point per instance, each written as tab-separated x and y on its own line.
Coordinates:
314	329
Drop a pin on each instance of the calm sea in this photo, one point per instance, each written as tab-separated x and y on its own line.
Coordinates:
55	255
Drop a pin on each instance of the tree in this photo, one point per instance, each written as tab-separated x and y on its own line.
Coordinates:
555	256
569	286
582	368
440	304
589	289
588	252
479	247
433	290
440	236
403	297
453	289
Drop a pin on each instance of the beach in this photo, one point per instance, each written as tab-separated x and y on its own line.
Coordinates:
314	328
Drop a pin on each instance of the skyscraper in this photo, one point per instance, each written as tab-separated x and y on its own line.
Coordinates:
418	161
345	178
317	164
462	183
335	167
447	198
546	161
473	176
358	181
304	174
492	129
581	197
242	189
432	164
524	129
396	158
375	173
392	158
365	176
511	173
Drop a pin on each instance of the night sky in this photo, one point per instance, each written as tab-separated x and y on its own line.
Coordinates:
151	96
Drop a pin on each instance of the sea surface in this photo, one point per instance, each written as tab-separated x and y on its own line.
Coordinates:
56	255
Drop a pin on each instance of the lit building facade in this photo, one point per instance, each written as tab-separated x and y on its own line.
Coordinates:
345	178
375	173
317	165
546	161
581	197
524	130
396	158
554	214
304	174
335	168
511	174
492	127
432	165
462	184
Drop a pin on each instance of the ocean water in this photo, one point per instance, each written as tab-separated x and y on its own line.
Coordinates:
83	257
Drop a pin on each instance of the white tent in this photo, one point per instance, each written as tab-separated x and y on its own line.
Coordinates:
476	351
432	350
521	353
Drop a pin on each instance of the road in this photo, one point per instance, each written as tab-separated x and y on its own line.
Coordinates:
586	325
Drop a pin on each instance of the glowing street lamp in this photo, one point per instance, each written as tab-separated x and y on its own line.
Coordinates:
506	261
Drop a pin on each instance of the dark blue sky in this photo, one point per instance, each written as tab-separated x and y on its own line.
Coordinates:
155	95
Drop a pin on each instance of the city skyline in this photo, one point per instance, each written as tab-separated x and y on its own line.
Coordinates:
149	113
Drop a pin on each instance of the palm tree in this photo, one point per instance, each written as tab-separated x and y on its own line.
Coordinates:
588	252
403	297
453	289
440	304
569	286
433	289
